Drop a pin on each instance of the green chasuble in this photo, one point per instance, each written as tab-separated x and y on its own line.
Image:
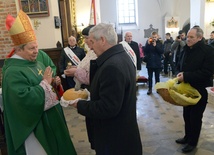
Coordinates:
23	101
46	60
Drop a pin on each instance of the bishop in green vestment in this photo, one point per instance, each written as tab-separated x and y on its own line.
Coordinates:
33	119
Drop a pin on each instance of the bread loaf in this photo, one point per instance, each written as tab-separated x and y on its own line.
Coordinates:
71	94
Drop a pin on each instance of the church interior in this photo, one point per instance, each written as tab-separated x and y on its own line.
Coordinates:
160	123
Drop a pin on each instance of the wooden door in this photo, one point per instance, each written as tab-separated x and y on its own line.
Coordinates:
65	15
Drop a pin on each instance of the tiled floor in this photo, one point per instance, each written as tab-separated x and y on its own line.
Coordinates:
160	124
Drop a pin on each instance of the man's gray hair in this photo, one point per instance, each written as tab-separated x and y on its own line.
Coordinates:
104	30
199	31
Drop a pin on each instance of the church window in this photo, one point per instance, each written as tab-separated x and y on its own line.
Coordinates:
126	11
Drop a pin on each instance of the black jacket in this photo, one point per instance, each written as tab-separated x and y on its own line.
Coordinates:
113	104
211	42
64	59
63	62
167	45
197	63
154	54
135	47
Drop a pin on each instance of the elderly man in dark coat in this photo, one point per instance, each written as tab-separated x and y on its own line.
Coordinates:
113	96
196	68
135	47
66	60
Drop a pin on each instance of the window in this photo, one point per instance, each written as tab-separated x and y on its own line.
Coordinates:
126	12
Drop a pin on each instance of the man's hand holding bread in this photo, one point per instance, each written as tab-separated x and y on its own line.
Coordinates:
71	97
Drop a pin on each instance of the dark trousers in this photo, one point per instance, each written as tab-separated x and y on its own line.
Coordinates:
150	75
90	131
168	60
193	121
70	82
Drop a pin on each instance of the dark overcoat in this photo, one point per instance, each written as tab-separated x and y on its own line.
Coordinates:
135	47
63	63
197	63
113	104
154	55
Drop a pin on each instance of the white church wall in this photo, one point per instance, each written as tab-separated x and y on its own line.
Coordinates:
209	17
149	12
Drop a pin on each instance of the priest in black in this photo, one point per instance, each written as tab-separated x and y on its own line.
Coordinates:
135	47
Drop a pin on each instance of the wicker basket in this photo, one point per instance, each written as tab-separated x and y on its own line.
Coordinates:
164	93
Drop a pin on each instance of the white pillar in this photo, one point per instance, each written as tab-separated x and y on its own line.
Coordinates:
197	13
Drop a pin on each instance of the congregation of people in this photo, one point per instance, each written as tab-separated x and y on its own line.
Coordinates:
190	58
109	74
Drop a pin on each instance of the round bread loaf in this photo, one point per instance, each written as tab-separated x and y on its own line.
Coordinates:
71	94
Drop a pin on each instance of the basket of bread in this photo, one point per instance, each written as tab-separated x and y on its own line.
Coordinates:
71	95
176	93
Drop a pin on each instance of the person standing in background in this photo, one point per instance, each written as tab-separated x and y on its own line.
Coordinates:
168	54
135	47
177	47
69	59
153	53
211	40
196	67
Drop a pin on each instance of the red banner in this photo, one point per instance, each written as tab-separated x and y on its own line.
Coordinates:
93	13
